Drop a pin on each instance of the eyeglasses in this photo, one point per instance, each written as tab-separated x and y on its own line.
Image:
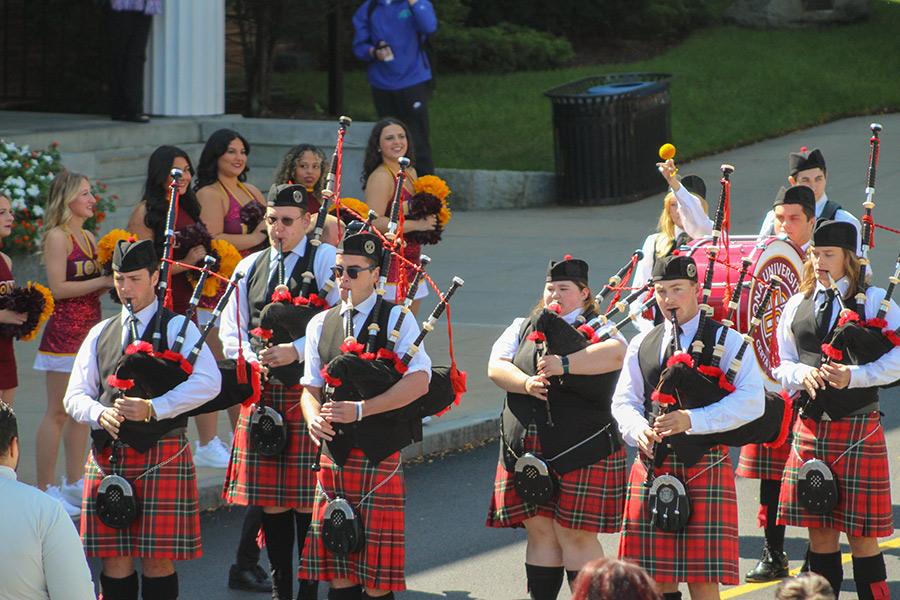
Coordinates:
286	221
352	272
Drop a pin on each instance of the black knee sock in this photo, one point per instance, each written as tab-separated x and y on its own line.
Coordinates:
248	549
570	577
544	582
159	588
279	530
769	490
672	596
828	566
119	588
350	593
309	588
388	596
870	576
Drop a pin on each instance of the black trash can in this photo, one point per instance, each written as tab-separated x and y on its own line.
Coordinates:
607	131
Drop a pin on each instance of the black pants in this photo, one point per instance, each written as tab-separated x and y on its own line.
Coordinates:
127	32
410	105
248	549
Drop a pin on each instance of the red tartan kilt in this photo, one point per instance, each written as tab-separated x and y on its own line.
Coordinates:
704	551
862	475
590	498
284	480
168	523
759	462
380	564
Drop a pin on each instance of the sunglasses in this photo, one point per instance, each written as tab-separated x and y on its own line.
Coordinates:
352	272
286	221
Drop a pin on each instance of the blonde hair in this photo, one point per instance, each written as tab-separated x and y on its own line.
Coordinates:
666	225
64	189
851	272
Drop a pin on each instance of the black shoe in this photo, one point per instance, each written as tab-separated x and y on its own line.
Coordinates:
254	579
805	567
769	568
141	118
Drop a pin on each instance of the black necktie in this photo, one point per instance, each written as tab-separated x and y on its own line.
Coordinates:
131	325
823	315
349	329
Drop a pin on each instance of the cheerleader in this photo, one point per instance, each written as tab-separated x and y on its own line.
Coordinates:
572	425
305	165
73	275
8	377
839	422
388	142
683	218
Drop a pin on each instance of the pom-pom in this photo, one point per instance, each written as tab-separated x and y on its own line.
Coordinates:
423	205
251	215
351	347
107	244
281	294
875	323
537	337
227	259
710	371
567	257
892	336
804	148
332	381
832	352
119	384
139	346
37	303
667	151
351	209
680	357
458	381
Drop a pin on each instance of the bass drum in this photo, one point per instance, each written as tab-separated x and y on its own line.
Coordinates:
768	257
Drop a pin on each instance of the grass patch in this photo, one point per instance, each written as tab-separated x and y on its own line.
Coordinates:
732	86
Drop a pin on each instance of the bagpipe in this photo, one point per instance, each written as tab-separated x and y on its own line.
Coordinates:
688	383
362	372
858	339
147	370
33	299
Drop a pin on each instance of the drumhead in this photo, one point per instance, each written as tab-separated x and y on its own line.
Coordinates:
769	256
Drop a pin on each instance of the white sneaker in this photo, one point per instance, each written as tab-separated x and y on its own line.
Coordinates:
53	492
72	492
224	449
212	454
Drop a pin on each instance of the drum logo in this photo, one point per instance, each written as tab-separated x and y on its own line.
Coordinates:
764	343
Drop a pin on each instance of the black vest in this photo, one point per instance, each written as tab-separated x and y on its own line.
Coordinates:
378	436
576	415
837	403
828	212
109	351
688	448
259	288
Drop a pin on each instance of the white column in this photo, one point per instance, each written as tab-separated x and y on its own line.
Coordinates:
185	73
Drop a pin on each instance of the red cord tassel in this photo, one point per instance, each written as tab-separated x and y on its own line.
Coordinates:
680	357
241	367
662	398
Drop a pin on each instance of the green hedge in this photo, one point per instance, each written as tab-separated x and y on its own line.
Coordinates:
500	48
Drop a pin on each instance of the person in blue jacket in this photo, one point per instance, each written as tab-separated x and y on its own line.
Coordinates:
390	35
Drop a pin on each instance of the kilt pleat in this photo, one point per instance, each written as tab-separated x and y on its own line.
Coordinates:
863	478
706	550
168	522
590	498
380	564
284	480
760	462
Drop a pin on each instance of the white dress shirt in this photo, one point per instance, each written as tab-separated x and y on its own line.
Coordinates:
228	329
791	372
697	224
81	400
41	556
768	226
744	404
507	344
409	331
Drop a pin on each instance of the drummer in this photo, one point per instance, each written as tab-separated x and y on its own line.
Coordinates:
807	167
684	218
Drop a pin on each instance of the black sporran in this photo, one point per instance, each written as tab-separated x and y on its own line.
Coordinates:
534	481
817	488
342	528
668	503
115	502
268	433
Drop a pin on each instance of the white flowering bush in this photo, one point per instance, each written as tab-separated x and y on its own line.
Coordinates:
25	177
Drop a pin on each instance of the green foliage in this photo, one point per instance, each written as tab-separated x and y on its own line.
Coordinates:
498	49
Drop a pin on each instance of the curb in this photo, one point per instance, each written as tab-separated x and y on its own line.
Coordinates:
439	436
